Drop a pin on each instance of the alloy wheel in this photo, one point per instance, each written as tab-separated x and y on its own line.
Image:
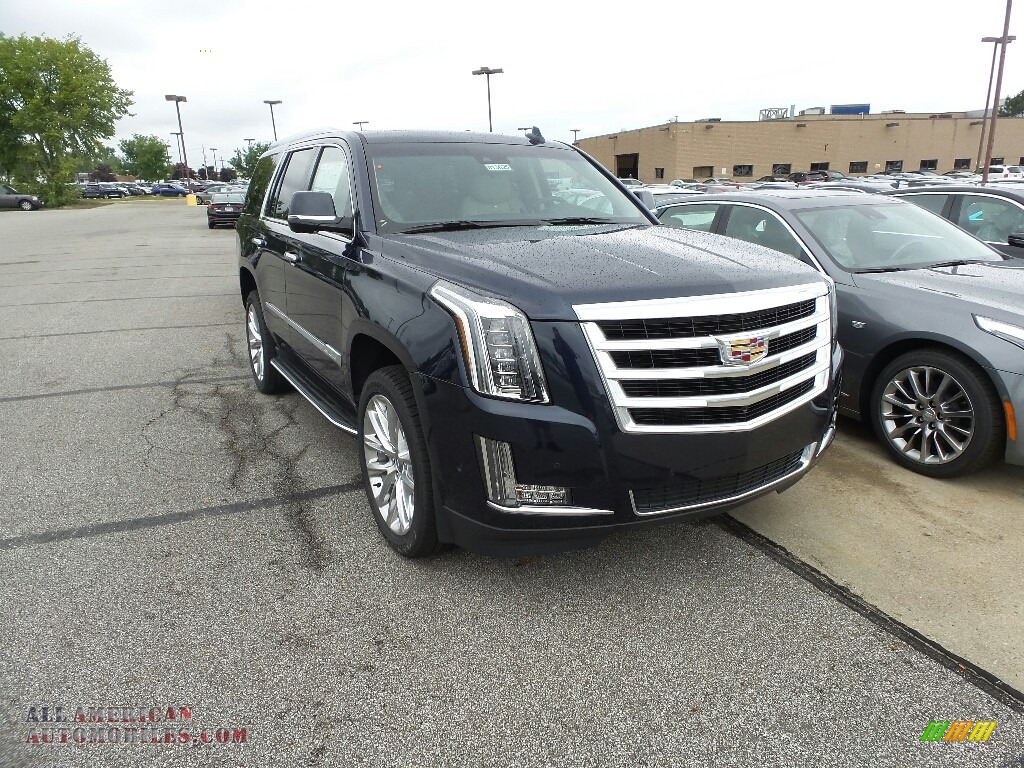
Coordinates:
389	467
927	415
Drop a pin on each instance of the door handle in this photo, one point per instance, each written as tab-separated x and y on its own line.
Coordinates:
259	242
291	256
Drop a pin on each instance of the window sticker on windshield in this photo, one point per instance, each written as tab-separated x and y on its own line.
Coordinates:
497	166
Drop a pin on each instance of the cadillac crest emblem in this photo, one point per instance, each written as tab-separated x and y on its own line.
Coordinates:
745	351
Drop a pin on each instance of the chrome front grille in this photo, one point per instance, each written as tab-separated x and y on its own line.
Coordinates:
675	365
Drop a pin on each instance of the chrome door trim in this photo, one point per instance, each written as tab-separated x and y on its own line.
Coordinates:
324	347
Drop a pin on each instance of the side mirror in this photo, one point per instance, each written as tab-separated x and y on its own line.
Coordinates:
314	212
646	197
1016	239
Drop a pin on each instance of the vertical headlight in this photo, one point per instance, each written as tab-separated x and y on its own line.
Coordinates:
497	345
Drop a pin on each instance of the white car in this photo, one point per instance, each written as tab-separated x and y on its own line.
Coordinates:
997	172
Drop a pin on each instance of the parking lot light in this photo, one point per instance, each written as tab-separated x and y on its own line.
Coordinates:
488	71
181	132
272	102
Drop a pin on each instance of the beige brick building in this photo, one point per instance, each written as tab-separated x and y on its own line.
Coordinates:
854	145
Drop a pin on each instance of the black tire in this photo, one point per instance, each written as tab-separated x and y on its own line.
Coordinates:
26	205
270	381
210	224
984	428
393	385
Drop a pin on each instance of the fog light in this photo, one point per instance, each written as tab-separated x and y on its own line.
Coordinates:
500	479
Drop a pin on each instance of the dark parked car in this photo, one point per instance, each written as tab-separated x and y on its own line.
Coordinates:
224	208
522	372
931	319
802	177
169	190
111	189
12	198
993	213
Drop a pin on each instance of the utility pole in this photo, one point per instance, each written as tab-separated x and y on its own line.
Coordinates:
995	99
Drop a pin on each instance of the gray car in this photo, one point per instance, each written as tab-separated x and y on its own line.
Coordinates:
12	198
931	319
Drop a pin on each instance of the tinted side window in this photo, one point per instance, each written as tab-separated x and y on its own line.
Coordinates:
933	203
690	216
757	226
261	177
295	179
332	175
989	218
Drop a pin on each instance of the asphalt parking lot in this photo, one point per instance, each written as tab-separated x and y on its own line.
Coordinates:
170	539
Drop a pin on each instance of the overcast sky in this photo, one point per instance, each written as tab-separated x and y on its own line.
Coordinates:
402	64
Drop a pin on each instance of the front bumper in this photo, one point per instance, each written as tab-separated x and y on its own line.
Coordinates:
616	480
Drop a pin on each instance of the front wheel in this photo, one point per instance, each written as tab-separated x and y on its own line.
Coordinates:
937	413
25	205
395	463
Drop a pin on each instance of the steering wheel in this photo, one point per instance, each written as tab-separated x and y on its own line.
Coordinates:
901	253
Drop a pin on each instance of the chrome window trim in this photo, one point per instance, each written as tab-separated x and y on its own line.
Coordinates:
805	461
324	347
552	511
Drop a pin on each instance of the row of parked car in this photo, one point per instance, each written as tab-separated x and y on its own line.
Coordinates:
931	297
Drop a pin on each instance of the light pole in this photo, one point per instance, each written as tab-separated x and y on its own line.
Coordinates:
184	155
214	151
575	134
1004	41
250	142
988	93
177	141
488	71
272	103
360	123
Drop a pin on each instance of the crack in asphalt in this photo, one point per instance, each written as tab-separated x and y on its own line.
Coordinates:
241	416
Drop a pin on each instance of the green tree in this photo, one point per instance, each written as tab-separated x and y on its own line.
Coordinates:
57	102
244	161
145	157
1013	106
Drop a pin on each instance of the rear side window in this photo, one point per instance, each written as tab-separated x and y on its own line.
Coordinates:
295	179
758	226
261	177
332	176
934	203
690	216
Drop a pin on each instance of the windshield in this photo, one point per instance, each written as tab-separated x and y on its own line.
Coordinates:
421	184
890	236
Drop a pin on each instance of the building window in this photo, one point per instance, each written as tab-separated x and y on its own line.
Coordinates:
743	170
819	166
659	173
703	171
964	164
893	166
929	165
860	166
781	169
998	161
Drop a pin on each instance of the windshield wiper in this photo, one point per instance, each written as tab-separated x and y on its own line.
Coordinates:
570	220
452	226
956	263
880	269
